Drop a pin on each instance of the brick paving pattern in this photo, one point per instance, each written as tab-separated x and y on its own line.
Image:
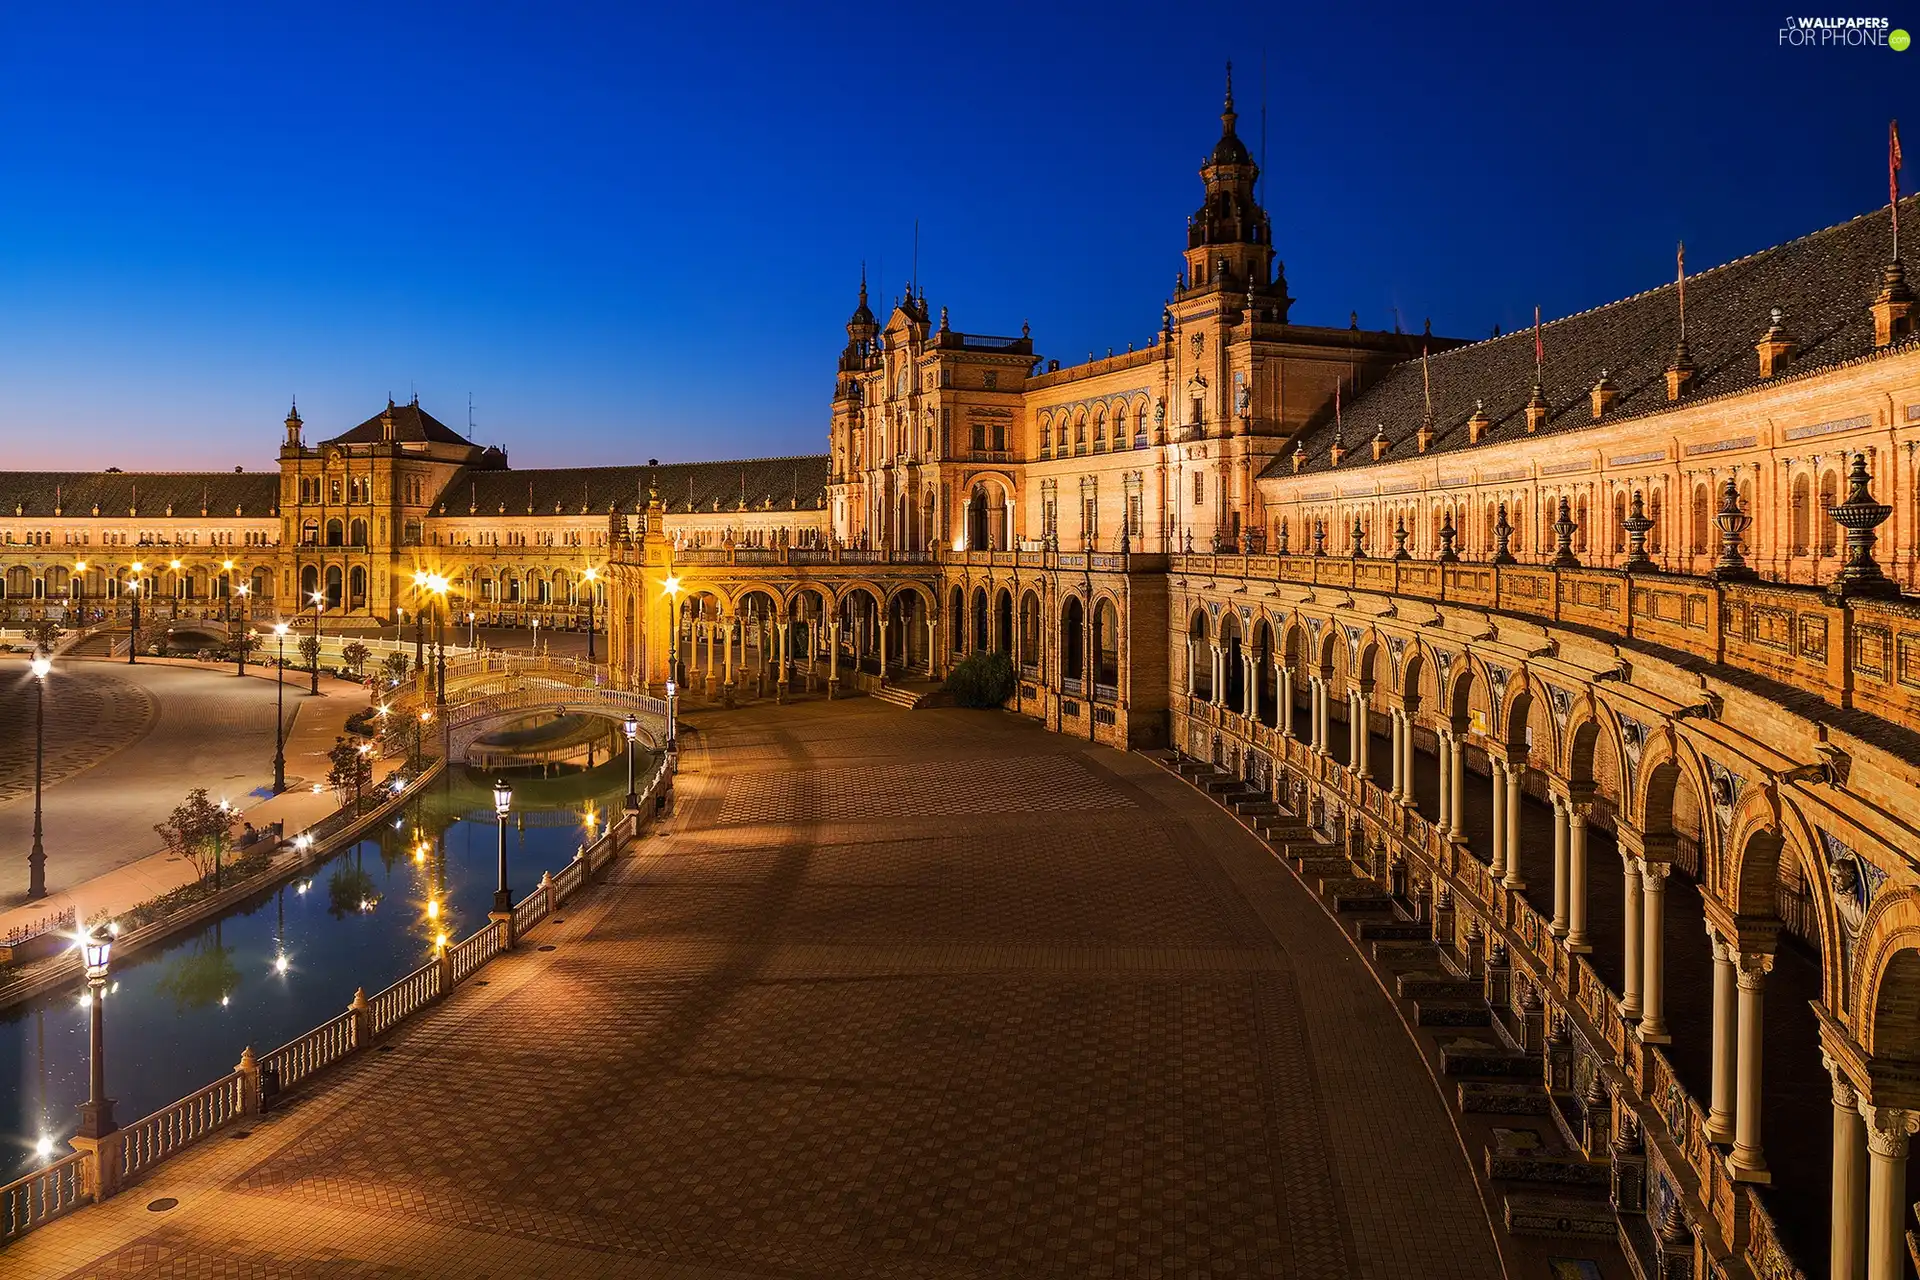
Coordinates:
902	994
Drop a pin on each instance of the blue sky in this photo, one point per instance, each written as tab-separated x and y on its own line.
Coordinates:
634	231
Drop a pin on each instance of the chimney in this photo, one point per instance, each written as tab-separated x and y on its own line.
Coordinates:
1477	425
1893	309
1536	410
1299	458
1775	347
1423	438
1604	393
1680	372
1380	445
1337	451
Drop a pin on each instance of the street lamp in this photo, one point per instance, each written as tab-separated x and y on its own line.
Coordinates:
246	634
226	596
96	1115
319	600
133	632
590	575
77	589
280	713
632	730
470	631
671	690
672	592
37	860
502	805
175	566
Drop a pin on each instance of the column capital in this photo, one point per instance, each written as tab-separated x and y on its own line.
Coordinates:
1754	968
1722	950
1888	1129
1845	1096
1653	871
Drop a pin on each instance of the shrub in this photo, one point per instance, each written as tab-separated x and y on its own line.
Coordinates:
981	680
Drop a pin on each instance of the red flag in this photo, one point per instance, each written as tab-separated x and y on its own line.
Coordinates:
1893	180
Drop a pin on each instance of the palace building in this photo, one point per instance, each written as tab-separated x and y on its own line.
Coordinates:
1587	661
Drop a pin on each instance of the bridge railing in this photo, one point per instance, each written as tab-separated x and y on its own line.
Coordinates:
122	1157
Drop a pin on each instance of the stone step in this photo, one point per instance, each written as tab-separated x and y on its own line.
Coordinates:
1546	1170
1370	898
1430	984
1503	1098
1533	1213
1399	956
1473	1056
1395	931
1256	808
1451	1013
1219	784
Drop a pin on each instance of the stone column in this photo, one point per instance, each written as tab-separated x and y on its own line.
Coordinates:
1514	879
1457	777
1634	913
933	650
1286	700
1406	760
1393	719
1444	823
1498	769
1726	1050
1215	694
1846	1253
882	654
1313	714
1653	974
833	657
1887	1132
1749	1164
1249	686
1361	734
1577	880
726	642
1192	671
1559	927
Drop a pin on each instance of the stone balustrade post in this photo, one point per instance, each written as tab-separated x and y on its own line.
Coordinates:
248	1069
362	1019
548	891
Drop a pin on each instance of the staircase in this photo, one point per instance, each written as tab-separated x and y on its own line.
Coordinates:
911	696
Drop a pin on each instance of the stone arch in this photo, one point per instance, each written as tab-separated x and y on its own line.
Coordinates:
1072	628
1412	675
1032	634
1754	847
1886	983
1456	699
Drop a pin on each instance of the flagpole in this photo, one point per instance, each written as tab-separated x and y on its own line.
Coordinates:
1893	182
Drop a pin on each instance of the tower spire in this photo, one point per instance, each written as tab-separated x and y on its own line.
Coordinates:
1227	114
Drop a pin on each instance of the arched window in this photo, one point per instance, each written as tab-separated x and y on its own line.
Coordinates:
1100	431
309	583
1106	644
310	532
336	533
1829	495
1656	536
1580	519
1199	658
357	532
982	637
1619	522
1046	437
357	587
335	587
1072	639
957	620
1030	654
1702	516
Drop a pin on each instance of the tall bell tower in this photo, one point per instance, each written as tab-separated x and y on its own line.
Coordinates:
1230	241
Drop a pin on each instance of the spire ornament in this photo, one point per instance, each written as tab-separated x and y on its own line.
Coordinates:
1447	554
1502	536
1400	551
1563	530
1636	524
1731	566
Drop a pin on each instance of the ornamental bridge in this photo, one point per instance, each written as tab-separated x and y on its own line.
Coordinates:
485	691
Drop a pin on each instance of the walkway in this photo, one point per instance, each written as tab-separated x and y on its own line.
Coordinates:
903	994
124	745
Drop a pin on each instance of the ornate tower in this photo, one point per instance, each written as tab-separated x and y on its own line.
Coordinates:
1230	241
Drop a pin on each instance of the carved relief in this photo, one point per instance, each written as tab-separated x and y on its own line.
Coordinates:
1855	882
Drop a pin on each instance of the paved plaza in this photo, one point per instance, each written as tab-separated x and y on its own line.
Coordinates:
896	994
125	743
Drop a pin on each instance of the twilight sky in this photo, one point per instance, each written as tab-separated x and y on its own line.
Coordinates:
634	230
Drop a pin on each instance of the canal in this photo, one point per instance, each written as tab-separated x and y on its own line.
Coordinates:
179	1013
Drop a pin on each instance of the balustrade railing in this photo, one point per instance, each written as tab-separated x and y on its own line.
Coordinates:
530	910
299	1058
147	1142
409	995
474	950
42	1196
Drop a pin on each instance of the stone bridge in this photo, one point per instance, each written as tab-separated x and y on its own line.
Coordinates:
486	690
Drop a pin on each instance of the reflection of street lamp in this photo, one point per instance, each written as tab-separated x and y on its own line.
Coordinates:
502	805
37	860
590	575
419	730
96	1116
280	713
319	599
632	730
133	631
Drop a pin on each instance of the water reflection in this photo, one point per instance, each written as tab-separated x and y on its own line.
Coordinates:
178	1015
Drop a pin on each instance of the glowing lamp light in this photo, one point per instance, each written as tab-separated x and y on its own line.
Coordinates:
225	1001
96	950
227	565
43	1149
631	727
138	567
502	798
316	788
80	565
280	963
174	565
672	585
439	942
419	853
280	628
40	665
433	909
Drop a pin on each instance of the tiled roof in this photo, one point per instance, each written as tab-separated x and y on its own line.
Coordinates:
571	490
37	493
1824	283
410	423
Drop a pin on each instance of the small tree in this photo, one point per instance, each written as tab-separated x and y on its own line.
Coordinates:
981	680
199	831
309	651
350	770
396	665
45	633
243	646
355	655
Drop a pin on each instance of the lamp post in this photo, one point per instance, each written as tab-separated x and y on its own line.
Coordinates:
470	631
632	730
77	590
319	600
37	859
246	634
439	584
226	596
133	631
96	1115
280	713
591	576
672	590
175	606
502	805
672	700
